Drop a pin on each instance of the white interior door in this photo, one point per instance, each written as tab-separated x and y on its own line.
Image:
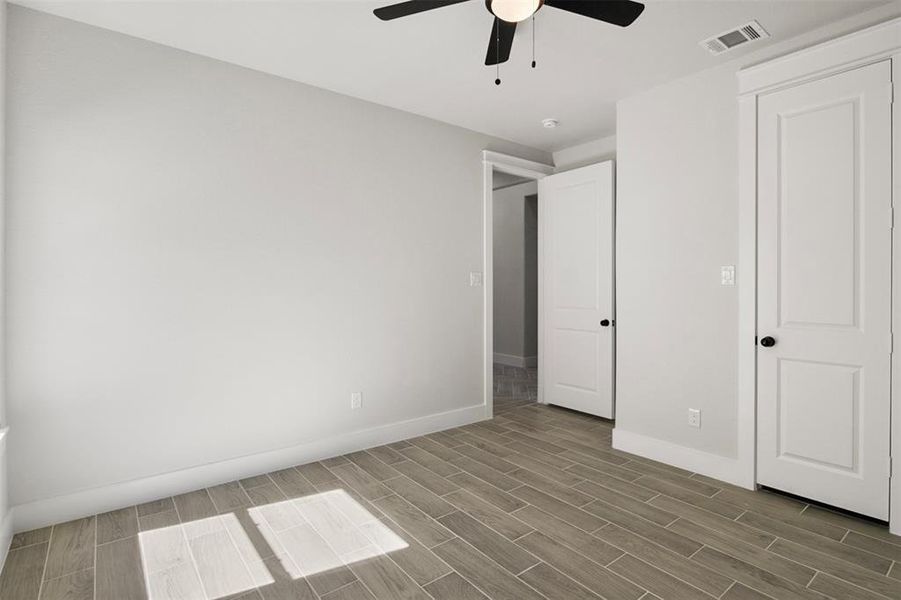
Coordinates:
577	340
824	285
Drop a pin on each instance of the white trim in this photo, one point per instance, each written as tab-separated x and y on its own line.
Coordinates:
696	461
511	360
895	493
6	537
517	166
522	168
867	46
840	54
746	280
6	522
41	513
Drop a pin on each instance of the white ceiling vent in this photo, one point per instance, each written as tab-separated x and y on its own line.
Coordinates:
749	32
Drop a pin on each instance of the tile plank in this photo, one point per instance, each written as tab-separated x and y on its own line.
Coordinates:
491	578
428	531
500	549
487	492
71	548
227	497
427	478
502	522
117	524
386	580
562	510
119	573
554	584
28	538
660	583
453	587
581	569
194	505
21	577
673	563
423	499
74	586
873	562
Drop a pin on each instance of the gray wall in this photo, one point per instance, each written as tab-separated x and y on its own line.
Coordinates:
205	261
530	278
677	220
5	522
677	224
515	289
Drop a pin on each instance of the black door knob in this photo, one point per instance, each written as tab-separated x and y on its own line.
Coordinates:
768	342
605	323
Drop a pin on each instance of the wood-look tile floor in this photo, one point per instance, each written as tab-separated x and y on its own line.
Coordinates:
514	387
534	504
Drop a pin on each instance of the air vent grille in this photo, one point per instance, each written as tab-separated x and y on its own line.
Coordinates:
749	32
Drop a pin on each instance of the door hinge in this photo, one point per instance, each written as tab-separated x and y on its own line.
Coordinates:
891	92
891	343
891	217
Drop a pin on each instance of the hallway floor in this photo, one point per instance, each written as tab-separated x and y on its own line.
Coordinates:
514	387
533	504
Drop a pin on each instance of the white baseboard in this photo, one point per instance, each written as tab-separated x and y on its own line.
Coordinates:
6	536
6	521
41	513
516	361
723	468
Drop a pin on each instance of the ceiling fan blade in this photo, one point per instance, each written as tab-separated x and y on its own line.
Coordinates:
405	9
501	42
618	12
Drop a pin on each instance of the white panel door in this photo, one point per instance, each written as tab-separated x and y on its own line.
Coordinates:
576	219
824	290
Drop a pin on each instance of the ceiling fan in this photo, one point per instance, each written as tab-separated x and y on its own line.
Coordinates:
507	13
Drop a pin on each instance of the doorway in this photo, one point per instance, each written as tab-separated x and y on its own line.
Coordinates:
515	291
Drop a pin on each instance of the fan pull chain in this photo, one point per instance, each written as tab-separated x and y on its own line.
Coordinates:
533	41
497	28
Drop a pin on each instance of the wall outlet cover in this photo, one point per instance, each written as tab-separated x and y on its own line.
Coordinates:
475	279
694	417
356	400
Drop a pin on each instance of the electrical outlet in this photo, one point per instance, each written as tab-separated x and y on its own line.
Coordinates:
727	275
475	279
356	400
694	417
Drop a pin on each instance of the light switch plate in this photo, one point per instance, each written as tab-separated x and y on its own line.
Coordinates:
475	279
727	275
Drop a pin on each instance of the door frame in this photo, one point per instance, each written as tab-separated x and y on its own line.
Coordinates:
871	45
521	167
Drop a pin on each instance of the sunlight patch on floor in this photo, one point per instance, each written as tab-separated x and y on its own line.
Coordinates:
212	558
324	531
201	560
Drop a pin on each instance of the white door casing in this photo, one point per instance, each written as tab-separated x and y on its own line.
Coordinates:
824	289
576	350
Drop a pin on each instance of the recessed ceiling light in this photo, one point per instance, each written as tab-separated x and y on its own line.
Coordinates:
550	123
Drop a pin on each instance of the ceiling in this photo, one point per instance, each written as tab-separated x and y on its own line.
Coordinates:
431	64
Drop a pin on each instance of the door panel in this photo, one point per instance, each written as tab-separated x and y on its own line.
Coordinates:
577	291
824	277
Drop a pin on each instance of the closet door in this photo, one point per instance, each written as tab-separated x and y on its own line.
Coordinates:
577	341
824	289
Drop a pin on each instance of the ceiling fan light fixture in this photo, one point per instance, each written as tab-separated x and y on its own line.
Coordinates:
514	11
